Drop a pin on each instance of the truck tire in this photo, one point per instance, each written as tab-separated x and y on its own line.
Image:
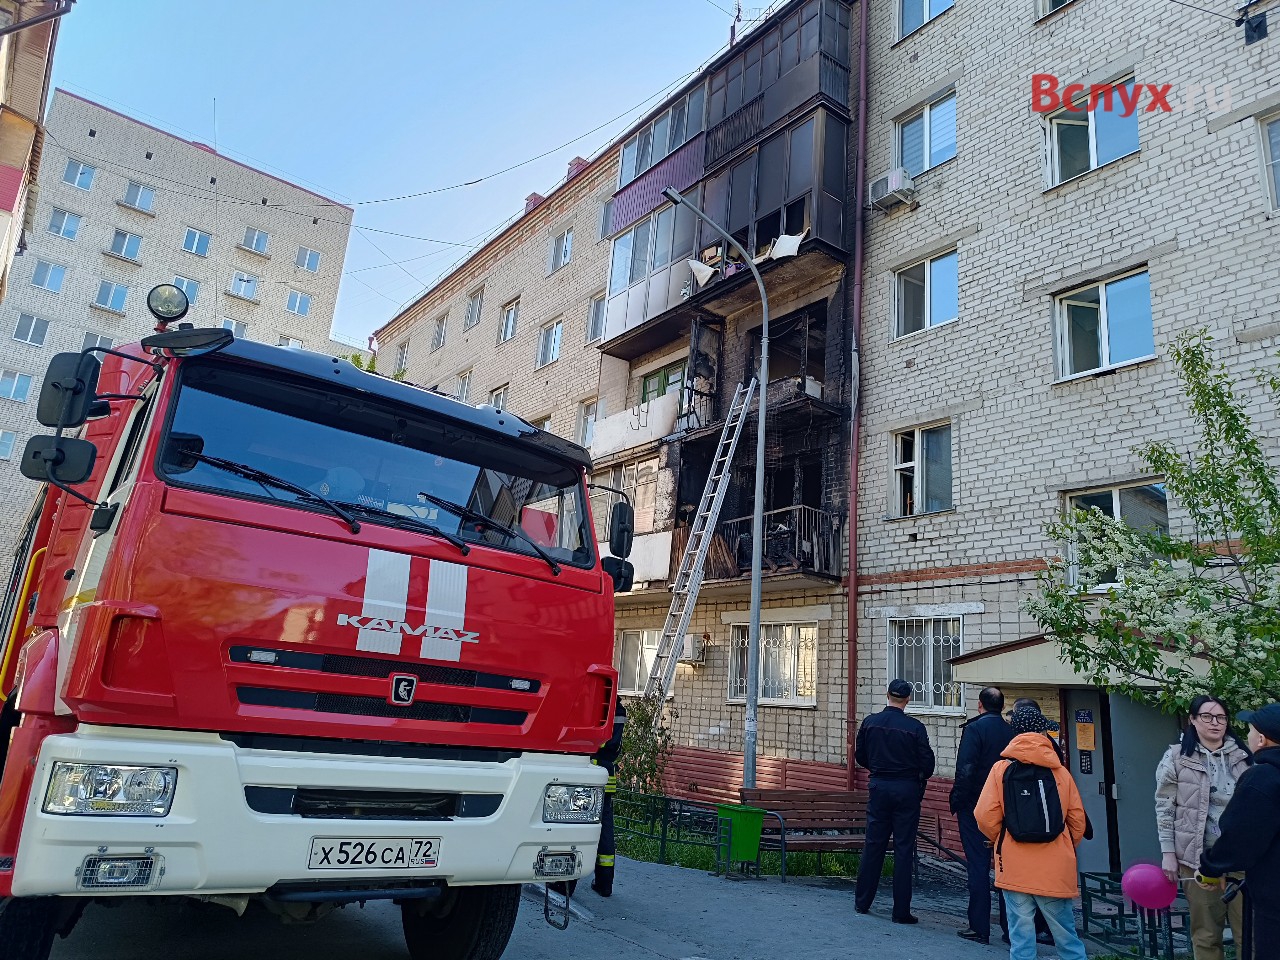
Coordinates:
27	927
468	923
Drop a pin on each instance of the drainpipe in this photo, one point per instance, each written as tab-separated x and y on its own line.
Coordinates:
855	433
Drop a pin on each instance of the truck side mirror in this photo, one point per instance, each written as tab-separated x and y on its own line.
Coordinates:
622	525
622	572
68	390
69	459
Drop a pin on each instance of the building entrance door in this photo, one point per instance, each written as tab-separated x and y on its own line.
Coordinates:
1088	736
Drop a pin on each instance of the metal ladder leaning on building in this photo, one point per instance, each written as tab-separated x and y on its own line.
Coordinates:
684	594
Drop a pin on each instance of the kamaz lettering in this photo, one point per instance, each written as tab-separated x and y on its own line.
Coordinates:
399	626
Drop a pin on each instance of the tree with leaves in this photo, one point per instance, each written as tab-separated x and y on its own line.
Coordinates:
371	365
646	745
1165	618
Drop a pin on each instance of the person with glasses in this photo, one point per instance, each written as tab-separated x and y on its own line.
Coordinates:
1194	782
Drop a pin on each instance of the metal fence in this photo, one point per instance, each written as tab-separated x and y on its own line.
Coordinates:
671	823
1110	919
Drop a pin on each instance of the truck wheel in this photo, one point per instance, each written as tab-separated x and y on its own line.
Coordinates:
467	923
27	926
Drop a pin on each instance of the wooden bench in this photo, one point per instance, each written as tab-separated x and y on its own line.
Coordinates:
822	821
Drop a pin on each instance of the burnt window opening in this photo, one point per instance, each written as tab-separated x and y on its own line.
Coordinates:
797	346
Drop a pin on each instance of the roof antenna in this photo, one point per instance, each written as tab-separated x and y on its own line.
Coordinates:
737	19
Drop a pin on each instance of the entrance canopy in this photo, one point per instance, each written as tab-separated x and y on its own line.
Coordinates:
1031	661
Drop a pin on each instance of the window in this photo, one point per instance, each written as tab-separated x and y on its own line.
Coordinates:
289	342
237	327
510	314
919	649
1144	507
49	275
561	249
463	388
916	13
64	224
14	386
139	196
595	318
1105	325
549	343
126	245
402	357
308	259
188	286
498	397
31	329
928	293
1081	140
543	424
639	481
79	174
588	411
606	218
244	285
475	301
256	240
788	663
111	296
666	133
7	438
1052	5
299	303
661	382
637	650
922	470
928	138
96	341
197	242
438	334
1271	157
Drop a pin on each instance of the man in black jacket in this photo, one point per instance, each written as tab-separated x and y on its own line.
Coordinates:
982	740
895	748
1250	840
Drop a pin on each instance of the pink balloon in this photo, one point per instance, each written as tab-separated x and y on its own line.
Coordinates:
1147	886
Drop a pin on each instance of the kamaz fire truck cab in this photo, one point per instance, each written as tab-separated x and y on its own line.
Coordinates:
286	630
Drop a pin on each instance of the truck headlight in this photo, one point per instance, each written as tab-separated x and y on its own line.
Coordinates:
570	803
108	789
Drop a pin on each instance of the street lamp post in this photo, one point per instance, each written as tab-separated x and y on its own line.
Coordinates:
757	515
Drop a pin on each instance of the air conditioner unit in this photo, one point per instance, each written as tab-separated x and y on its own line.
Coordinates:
692	649
812	387
893	188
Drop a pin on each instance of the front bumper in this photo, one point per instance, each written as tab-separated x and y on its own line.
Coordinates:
212	842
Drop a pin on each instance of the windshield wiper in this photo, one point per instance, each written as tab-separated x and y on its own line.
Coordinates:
475	516
270	479
417	522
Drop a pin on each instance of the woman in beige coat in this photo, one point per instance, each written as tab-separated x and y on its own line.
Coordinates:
1194	781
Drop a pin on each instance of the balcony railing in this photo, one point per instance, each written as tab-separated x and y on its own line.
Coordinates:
797	539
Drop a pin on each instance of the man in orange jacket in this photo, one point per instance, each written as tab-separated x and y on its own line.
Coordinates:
1032	795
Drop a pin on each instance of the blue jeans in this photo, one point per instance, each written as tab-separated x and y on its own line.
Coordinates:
1022	925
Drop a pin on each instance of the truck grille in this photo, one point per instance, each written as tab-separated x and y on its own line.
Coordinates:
352	705
355	666
344	804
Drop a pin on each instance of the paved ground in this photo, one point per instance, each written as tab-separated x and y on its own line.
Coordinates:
656	913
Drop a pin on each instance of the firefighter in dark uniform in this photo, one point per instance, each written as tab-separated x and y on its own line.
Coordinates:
607	757
895	748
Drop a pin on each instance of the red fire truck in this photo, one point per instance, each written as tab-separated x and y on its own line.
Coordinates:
282	630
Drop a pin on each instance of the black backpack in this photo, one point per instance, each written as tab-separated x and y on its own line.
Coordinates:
1032	807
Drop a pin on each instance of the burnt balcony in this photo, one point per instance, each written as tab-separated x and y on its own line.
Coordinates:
798	540
792	402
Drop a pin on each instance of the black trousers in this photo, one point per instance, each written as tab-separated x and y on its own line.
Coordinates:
893	808
977	857
605	853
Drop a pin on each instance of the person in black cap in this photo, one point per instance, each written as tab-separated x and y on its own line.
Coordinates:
895	748
1250	838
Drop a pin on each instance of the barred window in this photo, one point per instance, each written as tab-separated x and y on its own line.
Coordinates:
919	649
788	663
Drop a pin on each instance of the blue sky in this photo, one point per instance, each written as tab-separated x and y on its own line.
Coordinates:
362	101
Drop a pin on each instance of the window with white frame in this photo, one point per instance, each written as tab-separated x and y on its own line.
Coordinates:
14	386
299	303
549	342
788	663
256	240
289	342
606	218
127	245
1105	324
237	327
922	470
637	650
197	242
919	651
498	397
1143	506
1271	158
402	357
308	259
31	329
1052	5
510	315
543	423
588	411
475	302
438	332
7	439
463	388
188	286
929	293
49	276
1092	133
139	196
79	174
244	285
96	341
928	138
64	223
111	296
595	318
913	14
562	249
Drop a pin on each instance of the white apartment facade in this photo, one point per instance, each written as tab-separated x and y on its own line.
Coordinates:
124	206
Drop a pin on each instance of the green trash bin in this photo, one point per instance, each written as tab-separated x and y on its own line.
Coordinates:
745	824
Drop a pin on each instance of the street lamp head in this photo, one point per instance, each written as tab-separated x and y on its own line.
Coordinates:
672	194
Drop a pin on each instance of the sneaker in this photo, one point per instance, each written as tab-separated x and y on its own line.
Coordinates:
907	919
973	935
1045	937
862	910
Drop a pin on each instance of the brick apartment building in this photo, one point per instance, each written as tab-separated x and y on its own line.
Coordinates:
124	206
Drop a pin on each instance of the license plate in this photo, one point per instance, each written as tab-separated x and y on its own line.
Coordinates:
374	853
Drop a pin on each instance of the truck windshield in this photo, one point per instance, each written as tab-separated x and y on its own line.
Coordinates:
385	463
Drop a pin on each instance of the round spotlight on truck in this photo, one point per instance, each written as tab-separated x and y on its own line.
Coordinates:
168	303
